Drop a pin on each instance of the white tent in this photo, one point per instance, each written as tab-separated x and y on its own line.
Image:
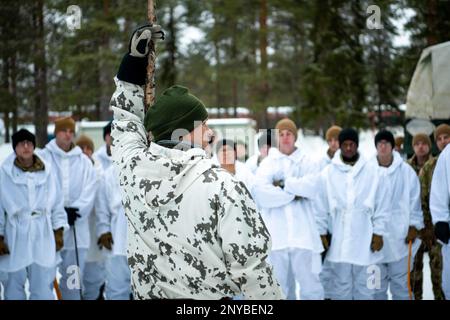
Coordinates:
429	92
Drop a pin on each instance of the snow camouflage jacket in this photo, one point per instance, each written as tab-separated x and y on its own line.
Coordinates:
193	229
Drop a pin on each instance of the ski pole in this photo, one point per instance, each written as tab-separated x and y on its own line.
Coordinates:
409	269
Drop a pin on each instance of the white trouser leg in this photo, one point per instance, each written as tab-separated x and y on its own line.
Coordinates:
381	293
446	270
398	275
279	259
70	283
118	278
306	267
325	279
341	282
41	282
94	276
362	289
15	285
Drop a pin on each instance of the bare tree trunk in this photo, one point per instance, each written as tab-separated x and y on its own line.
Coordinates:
432	22
13	91
104	72
264	85
40	77
5	108
169	74
150	83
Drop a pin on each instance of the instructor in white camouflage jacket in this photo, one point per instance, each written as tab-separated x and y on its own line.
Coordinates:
194	231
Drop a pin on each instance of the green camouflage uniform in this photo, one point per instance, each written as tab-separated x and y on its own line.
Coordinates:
431	246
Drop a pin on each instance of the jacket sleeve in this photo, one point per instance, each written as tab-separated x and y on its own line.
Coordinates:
129	137
2	219
440	189
86	200
416	216
266	194
305	186
380	215
246	244
320	203
58	214
102	212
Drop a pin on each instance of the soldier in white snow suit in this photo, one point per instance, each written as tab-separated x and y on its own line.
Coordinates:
296	243
350	193
77	180
94	275
440	212
405	217
32	221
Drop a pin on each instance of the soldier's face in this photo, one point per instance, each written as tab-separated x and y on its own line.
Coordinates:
24	150
226	155
200	136
333	144
349	149
442	141
421	149
286	141
87	151
384	148
64	138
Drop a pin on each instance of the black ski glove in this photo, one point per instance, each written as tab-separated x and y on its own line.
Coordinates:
442	231
133	68
72	215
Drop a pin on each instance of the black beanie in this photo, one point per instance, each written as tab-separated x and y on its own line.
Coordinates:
348	134
385	135
107	129
23	135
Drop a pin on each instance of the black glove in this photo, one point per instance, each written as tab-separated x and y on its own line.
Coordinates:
133	68
442	231
72	215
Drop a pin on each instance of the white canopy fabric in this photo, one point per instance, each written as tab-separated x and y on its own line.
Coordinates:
429	92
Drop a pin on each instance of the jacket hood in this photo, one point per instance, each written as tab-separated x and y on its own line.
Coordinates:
16	175
53	147
339	163
396	163
167	173
295	156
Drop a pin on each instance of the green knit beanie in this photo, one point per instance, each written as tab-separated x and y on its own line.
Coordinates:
175	109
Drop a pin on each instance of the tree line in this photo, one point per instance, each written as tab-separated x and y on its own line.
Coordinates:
318	57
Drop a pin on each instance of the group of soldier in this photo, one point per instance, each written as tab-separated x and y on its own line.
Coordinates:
62	224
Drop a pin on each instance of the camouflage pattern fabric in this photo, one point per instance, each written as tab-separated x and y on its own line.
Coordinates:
193	229
429	243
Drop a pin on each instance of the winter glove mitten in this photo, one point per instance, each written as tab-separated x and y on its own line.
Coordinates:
133	68
72	215
3	247
105	240
59	238
428	237
412	234
278	183
377	243
442	231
